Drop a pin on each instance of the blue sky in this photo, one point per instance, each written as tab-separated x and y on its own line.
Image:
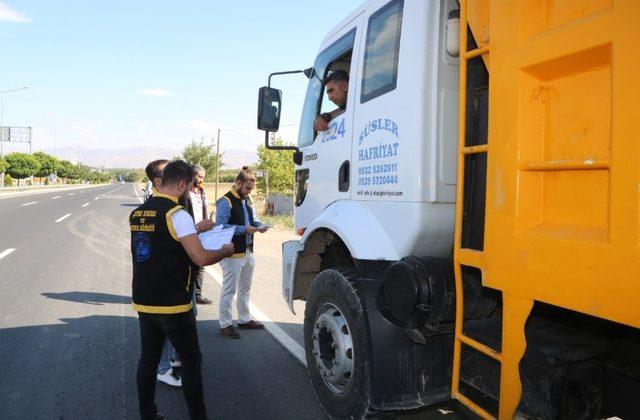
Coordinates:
117	74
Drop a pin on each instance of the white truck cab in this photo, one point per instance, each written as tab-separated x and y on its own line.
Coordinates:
375	206
375	188
389	159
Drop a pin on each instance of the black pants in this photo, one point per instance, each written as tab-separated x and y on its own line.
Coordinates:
197	275
182	332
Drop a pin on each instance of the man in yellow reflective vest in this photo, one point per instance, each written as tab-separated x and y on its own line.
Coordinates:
164	247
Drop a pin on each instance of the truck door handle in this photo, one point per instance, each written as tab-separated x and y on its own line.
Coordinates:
343	177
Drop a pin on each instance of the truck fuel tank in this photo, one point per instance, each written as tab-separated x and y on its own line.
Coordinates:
418	293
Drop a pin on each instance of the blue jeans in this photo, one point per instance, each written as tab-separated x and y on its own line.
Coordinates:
168	352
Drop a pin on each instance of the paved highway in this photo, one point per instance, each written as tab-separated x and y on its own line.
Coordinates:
68	335
69	338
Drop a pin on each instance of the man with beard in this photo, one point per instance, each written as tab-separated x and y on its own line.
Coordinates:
164	245
234	209
169	357
197	208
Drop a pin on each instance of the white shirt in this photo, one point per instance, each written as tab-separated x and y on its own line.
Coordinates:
183	224
196	203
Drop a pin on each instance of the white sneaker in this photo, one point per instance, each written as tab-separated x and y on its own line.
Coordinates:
176	363
169	378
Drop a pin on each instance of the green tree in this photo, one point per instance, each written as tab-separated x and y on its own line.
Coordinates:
94	177
97	177
279	164
198	153
3	165
83	171
134	175
48	164
119	172
22	165
104	177
67	170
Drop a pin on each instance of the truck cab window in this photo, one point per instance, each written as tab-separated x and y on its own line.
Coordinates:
339	67
337	56
380	71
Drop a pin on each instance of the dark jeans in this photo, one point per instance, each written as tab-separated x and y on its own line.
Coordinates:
181	331
197	275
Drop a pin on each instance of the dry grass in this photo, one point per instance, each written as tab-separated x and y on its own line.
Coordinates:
223	188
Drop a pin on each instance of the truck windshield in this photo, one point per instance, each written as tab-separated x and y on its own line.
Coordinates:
312	99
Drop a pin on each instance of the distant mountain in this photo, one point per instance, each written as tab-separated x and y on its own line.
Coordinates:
138	157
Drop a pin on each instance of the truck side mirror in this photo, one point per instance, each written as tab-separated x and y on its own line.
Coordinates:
269	104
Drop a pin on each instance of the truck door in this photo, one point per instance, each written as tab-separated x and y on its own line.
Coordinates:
325	173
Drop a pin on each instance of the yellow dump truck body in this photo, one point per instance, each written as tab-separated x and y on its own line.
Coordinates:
562	216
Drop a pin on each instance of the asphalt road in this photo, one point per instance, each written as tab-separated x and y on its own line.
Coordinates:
69	339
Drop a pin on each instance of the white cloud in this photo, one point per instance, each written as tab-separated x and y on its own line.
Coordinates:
154	92
9	15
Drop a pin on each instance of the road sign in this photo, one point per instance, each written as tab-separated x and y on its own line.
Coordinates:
16	134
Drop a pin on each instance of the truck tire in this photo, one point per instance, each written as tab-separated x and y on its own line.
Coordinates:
335	339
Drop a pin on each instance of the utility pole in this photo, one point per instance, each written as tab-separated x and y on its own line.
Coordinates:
217	165
266	184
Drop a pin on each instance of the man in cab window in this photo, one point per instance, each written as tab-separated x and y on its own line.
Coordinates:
337	88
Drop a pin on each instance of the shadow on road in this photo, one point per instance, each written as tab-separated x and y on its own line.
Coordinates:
91	298
85	368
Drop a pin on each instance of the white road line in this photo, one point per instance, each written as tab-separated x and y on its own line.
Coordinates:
85	204
97	198
55	198
63	217
71	193
278	333
29	203
6	252
137	195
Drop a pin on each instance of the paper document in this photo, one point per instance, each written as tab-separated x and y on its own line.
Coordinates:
213	239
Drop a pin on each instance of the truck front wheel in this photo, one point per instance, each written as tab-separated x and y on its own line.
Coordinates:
335	345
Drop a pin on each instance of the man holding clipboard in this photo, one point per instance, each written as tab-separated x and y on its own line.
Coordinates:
164	247
234	209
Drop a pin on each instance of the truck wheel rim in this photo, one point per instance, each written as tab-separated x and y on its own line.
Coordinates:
333	348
